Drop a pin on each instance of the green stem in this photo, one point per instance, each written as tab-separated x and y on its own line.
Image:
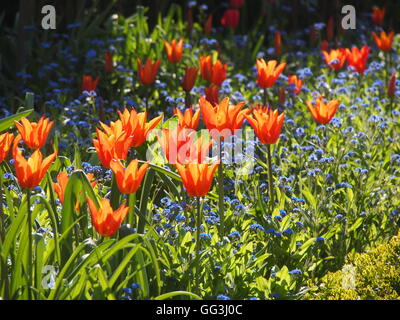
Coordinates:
132	203
197	264
30	260
265	96
221	188
270	181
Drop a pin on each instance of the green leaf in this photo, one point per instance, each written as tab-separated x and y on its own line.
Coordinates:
8	122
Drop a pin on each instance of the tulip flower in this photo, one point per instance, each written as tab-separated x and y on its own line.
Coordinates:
189	78
378	15
188	119
147	73
197	178
392	85
30	172
208	25
278	43
295	84
129	179
34	134
180	146
323	112
335	59
267	124
174	50
267	73
108	64
385	41
135	125
109	147
61	185
212	94
6	140
237	4
105	220
214	73
223	115
231	18
358	58
89	83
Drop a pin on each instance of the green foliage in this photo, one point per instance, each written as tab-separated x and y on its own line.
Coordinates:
375	276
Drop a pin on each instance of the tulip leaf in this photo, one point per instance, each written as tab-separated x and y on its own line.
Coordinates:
8	122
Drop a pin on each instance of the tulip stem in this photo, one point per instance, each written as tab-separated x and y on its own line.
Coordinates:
221	188
197	263
30	262
266	96
2	224
132	203
188	99
270	181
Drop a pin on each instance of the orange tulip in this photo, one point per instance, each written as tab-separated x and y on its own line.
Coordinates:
180	146
108	64
335	59
212	93
189	78
129	179
323	113
358	58
214	73
188	119
278	43
223	115
296	84
147	73
31	172
197	178
6	140
89	83
385	41
174	50
34	134
267	73
135	125
378	15
61	185
392	84
267	124
112	146
208	25
104	219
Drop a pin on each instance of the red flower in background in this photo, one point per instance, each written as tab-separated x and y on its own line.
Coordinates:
89	83
278	43
231	18
108	62
174	50
208	25
212	93
391	87
324	45
237	4
358	58
378	15
330	28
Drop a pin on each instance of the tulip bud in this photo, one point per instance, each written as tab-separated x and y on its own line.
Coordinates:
391	87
